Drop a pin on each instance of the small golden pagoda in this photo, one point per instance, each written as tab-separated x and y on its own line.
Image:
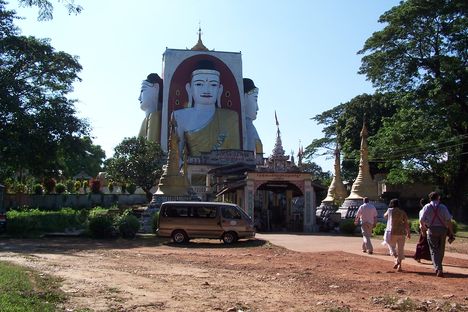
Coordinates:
364	185
172	182
337	191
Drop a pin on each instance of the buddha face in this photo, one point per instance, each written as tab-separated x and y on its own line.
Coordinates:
205	88
149	97
251	99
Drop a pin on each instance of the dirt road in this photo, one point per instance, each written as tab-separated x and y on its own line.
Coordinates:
150	274
350	244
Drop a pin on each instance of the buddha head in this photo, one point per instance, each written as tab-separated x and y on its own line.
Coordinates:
205	87
251	98
149	94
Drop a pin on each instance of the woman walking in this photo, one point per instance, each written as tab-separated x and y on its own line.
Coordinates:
397	220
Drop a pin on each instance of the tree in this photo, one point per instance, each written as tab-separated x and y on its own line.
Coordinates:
138	161
343	124
83	155
421	54
36	118
46	9
324	178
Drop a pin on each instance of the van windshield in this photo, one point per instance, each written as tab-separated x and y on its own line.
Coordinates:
235	213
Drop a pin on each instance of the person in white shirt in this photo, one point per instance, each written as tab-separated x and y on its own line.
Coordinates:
367	213
436	222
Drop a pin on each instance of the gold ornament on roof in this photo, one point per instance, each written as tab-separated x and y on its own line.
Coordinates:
199	46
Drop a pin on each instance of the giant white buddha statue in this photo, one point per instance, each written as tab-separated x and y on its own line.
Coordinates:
150	99
204	126
253	142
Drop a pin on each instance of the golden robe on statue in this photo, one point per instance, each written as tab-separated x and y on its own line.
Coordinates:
151	127
221	132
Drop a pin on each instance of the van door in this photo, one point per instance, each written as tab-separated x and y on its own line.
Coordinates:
205	222
231	219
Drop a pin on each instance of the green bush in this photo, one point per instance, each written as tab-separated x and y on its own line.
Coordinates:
100	223
415	226
128	225
38	189
20	188
34	221
60	188
110	186
70	184
77	186
379	228
347	226
131	188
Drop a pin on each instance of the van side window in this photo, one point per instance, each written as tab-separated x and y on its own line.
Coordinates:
231	213
177	211
204	212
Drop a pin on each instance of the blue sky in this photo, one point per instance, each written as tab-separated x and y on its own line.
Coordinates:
301	55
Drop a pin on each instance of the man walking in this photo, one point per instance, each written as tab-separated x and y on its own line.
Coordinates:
368	215
436	222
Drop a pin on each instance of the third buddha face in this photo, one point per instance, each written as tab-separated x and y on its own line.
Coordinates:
252	104
205	88
149	96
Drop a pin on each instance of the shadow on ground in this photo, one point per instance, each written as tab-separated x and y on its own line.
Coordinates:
62	245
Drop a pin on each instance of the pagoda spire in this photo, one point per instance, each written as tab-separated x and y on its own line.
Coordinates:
364	186
199	46
278	150
300	154
337	191
172	182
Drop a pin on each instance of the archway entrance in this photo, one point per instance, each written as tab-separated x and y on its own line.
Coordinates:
279	207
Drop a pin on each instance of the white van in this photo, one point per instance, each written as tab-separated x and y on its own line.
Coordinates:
183	220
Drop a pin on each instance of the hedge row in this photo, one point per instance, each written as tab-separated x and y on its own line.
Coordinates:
97	222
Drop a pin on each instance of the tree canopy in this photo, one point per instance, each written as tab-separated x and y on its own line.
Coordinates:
46	9
422	54
38	121
138	161
420	59
343	124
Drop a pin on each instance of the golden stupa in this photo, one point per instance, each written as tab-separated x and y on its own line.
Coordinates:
364	185
337	191
172	182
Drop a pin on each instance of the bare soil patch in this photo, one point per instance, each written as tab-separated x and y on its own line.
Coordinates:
150	274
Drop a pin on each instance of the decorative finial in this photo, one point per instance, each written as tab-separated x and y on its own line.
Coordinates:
364	132
199	46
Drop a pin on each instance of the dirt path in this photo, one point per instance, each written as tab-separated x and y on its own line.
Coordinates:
148	274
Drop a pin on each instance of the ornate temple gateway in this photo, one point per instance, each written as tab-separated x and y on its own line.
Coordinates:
201	112
277	193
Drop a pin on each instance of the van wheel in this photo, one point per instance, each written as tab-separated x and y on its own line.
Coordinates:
229	237
179	237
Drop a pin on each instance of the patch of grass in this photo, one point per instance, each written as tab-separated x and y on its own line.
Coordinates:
395	303
24	290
